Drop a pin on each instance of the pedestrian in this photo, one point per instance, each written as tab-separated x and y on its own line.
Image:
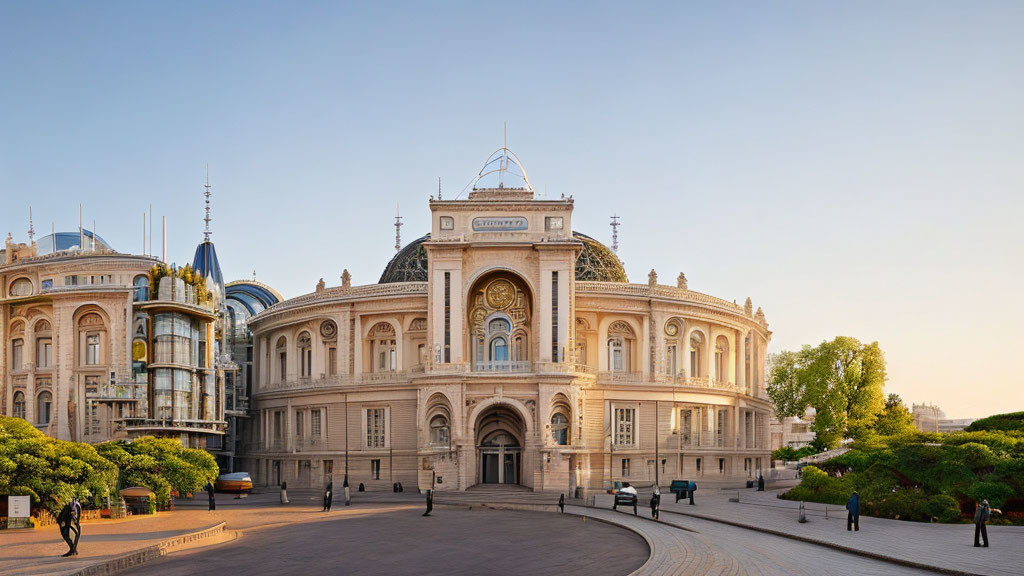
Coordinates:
981	516
561	502
692	489
430	494
284	492
853	512
209	493
68	521
328	496
760	482
656	503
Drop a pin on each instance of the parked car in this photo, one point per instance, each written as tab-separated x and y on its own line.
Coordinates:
233	482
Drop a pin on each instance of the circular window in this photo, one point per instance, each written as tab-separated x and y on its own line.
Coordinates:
21	287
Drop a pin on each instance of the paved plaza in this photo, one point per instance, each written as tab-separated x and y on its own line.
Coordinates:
384	533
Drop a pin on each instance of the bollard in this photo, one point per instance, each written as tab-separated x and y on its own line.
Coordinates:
802	515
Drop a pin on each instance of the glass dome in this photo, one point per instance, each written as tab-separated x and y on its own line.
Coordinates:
70	241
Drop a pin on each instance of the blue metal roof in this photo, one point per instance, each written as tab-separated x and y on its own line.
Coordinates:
68	241
253	296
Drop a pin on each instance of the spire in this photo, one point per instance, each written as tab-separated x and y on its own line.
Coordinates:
31	228
615	234
398	229
206	233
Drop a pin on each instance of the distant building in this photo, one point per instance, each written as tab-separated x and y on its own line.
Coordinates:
792	431
931	418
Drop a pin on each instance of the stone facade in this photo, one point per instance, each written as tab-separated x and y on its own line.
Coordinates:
78	357
483	357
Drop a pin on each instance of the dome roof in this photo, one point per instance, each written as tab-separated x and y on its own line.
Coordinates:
70	241
596	262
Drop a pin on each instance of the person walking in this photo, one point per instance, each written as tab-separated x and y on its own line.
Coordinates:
329	496
430	494
691	490
284	492
656	503
853	513
68	521
561	502
981	516
209	493
760	482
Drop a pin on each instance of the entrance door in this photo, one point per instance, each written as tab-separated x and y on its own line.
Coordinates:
499	459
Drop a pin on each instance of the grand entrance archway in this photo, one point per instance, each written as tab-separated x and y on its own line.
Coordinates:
500	432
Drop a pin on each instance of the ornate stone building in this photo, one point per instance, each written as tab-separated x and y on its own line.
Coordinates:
503	347
99	345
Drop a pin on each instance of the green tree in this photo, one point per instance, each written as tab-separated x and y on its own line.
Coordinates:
36	465
161	464
841	379
895	418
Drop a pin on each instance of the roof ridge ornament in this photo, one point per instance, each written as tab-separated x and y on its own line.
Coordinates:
206	233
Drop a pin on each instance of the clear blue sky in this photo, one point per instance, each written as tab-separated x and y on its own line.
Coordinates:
856	168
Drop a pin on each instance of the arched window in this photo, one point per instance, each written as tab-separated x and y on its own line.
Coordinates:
615	363
697	369
722	359
43	402
305	355
499	349
19	404
282	358
141	284
439	430
560	428
384	345
620	345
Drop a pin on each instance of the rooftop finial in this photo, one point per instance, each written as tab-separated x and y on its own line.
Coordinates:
438	187
253	274
398	229
206	233
31	228
615	234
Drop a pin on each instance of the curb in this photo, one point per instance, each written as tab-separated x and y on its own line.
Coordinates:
834	546
610	522
147	554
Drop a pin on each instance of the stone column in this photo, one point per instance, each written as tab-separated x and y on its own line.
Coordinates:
741	361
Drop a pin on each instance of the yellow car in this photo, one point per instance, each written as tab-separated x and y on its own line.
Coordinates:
234	482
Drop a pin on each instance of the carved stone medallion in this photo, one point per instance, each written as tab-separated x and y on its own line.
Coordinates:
500	294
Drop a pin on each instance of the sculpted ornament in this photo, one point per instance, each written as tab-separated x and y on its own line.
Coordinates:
328	329
500	294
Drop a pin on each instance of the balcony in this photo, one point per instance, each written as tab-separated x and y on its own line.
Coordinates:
172	425
121	391
504	366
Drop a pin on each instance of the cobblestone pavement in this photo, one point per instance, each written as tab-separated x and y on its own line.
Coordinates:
450	542
944	546
715	549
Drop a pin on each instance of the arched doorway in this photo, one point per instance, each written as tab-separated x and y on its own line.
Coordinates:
500	432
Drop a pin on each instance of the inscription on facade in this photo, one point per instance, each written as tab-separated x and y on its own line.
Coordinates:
499	224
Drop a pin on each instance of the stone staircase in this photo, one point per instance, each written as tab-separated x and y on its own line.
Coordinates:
499	496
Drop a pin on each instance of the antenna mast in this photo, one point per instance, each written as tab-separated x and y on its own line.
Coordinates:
31	228
206	233
398	229
615	233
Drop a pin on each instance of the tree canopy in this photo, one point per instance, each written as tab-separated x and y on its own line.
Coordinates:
36	465
160	464
841	379
1013	421
895	417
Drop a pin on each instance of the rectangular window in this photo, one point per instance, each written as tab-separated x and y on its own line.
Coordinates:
44	353
375	428
375	469
552	223
670	360
298	424
284	366
625	426
686	425
332	360
721	465
17	352
698	464
447	317
625	467
314	423
92	349
554	316
278	428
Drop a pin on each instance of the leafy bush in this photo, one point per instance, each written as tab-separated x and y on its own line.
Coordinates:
161	464
1013	421
923	477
